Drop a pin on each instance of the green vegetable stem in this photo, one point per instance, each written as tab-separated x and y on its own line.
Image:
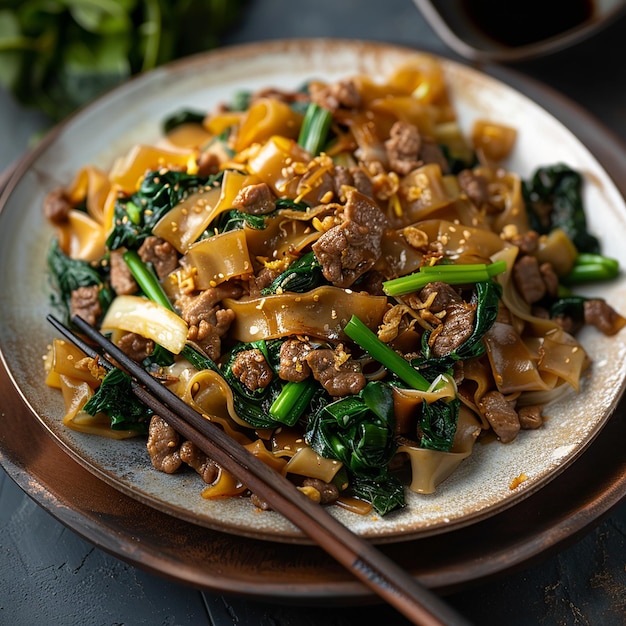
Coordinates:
315	127
364	337
451	274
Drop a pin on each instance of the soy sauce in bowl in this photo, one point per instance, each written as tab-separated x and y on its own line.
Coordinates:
525	22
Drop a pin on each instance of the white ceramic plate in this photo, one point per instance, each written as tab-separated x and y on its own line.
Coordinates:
131	114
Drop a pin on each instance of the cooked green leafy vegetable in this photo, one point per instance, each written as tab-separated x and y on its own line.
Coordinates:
136	216
184	116
553	199
114	398
359	431
68	274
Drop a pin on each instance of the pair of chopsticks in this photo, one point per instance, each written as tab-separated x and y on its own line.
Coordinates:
366	563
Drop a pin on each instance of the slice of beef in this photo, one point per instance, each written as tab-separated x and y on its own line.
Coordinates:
527	242
201	306
207	321
329	493
430	152
350	249
457	326
121	277
135	346
293	366
85	302
403	147
57	205
475	186
198	460
530	417
342	94
163	446
338	377
208	164
161	254
255	199
352	177
501	416
208	332
550	279
251	368
445	295
528	279
601	315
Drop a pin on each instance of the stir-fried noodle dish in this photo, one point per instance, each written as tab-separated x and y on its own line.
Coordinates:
349	285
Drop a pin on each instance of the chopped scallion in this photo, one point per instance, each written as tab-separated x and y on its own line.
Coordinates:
146	279
592	268
451	274
314	130
381	352
292	401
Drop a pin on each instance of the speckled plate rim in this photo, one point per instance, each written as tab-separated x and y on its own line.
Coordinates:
392	529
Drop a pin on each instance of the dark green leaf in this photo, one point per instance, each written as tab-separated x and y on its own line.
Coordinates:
438	424
136	216
67	274
115	399
185	116
385	494
553	199
301	276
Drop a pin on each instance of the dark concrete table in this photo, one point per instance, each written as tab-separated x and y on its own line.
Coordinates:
49	575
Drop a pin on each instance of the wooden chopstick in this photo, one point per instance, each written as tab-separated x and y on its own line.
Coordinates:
361	558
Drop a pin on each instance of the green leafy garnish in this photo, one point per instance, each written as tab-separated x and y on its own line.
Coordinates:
553	198
68	274
359	431
136	216
115	399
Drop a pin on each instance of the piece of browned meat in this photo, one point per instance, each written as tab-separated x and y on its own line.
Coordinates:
403	147
255	199
501	416
252	370
85	302
601	315
445	295
475	186
338	377
57	205
350	249
457	326
163	446
161	254
342	94
293	365
528	279
121	277
198	460
208	323
135	346
329	493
